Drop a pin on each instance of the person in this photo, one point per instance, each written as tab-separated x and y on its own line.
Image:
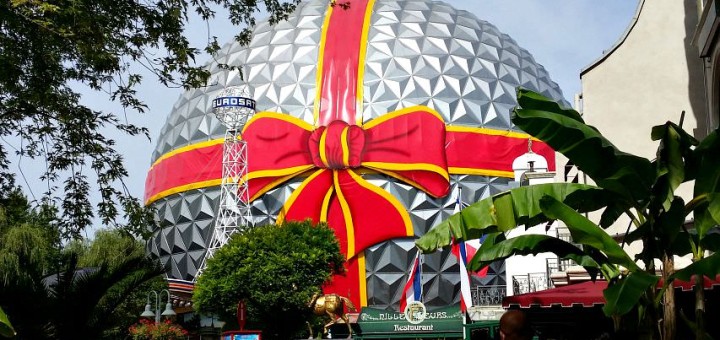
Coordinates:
514	325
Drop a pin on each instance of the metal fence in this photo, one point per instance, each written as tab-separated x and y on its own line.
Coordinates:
488	295
555	265
531	282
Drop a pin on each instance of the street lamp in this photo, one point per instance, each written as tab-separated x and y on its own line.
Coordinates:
168	312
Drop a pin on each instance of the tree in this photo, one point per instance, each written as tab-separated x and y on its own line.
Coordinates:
112	248
275	269
50	291
625	184
50	49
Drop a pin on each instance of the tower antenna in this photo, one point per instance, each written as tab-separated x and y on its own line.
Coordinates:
233	107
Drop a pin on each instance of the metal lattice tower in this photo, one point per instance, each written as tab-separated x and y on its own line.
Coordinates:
233	107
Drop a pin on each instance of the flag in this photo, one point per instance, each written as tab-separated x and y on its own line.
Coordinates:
413	287
471	246
458	249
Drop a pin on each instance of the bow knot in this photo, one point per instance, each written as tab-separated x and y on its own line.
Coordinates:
408	145
337	146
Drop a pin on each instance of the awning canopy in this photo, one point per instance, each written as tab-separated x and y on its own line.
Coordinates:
585	294
708	283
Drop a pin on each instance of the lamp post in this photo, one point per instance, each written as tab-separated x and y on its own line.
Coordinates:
168	312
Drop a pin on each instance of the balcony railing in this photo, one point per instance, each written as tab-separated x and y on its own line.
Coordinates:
488	295
555	265
531	282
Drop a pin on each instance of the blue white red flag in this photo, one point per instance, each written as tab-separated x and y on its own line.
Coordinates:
458	249
471	246
413	287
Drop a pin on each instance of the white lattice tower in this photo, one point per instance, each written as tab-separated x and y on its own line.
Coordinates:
233	107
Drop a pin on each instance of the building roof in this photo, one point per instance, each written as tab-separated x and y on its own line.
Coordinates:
618	43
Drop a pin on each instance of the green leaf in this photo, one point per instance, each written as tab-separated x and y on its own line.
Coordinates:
586	232
682	244
628	175
714	207
674	146
6	329
611	213
709	266
669	223
707	184
532	100
509	209
623	295
534	244
711	241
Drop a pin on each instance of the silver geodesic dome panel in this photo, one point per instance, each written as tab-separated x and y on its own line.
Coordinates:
419	53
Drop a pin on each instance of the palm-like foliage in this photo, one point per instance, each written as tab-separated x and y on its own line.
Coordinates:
643	190
54	293
75	302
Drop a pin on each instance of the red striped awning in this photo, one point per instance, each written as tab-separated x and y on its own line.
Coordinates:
585	294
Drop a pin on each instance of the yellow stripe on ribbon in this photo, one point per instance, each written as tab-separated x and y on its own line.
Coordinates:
362	279
490	132
481	172
323	156
361	62
384	166
321	56
181	188
296	193
187	148
391	115
347	215
344	143
388	197
326	205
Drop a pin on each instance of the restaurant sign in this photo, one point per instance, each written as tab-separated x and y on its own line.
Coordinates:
380	321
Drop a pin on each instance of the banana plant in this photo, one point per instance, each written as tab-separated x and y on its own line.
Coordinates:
6	329
625	184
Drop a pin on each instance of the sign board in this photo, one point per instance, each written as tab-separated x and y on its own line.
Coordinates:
241	335
380	321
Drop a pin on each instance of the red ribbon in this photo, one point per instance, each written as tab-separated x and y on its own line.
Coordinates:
408	145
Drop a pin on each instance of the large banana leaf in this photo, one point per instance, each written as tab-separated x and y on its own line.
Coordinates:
675	147
565	131
586	232
534	244
709	266
665	229
507	210
6	329
622	295
707	184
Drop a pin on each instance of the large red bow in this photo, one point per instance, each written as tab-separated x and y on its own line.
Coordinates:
408	145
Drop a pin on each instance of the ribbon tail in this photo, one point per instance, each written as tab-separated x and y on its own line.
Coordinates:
310	200
351	284
370	214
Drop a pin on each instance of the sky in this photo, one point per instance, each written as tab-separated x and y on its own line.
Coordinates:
565	36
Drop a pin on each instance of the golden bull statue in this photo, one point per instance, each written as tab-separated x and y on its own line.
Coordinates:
333	306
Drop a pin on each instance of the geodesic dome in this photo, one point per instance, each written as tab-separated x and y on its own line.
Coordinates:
417	52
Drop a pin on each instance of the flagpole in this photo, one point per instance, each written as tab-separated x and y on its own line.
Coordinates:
458	208
419	274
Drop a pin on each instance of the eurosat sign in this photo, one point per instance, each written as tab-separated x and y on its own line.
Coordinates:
415	320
